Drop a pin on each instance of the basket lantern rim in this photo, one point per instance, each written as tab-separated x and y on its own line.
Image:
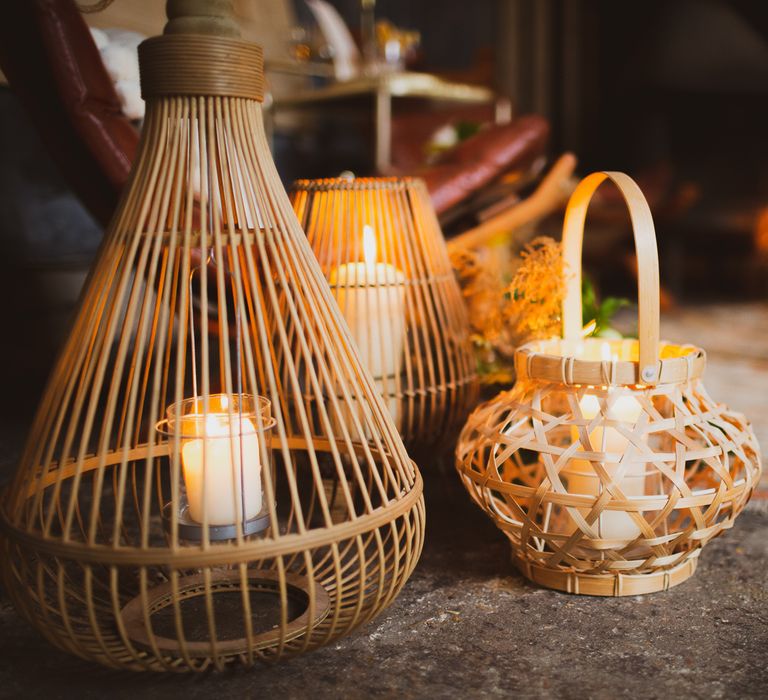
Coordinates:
604	361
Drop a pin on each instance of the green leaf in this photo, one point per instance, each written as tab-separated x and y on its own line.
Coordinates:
611	305
593	310
588	300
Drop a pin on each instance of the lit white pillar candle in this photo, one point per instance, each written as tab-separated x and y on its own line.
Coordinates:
371	296
222	467
581	475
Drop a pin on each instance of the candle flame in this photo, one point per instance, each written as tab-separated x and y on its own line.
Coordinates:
590	406
369	245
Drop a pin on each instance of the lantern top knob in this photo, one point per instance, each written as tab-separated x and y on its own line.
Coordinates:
211	17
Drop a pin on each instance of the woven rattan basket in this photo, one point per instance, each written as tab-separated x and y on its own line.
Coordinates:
608	466
379	244
177	506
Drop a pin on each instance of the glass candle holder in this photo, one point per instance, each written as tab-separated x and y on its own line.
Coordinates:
224	448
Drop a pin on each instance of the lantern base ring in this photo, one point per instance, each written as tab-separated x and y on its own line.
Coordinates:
192	531
308	604
608	584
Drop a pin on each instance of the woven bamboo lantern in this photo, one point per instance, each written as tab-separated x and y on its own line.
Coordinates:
380	246
172	508
608	466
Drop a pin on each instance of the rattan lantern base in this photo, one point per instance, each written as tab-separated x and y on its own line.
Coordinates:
608	585
263	589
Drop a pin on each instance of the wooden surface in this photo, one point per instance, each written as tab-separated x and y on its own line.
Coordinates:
399	84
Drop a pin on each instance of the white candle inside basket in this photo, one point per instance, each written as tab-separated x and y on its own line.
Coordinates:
581	476
221	463
371	296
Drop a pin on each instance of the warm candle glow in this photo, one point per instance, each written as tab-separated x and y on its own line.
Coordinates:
220	455
371	296
369	246
581	475
222	470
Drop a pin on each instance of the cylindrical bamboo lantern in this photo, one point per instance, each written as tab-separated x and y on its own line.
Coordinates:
608	466
180	505
380	246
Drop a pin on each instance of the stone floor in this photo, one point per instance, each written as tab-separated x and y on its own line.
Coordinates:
467	625
735	337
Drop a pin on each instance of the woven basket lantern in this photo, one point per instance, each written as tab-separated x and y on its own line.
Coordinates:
608	466
178	507
380	246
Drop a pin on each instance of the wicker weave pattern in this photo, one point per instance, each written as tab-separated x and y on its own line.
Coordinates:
432	394
603	484
203	286
700	464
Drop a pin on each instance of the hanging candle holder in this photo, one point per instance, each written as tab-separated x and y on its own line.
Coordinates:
224	443
608	466
381	248
170	511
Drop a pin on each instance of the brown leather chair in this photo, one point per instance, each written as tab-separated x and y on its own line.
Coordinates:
53	66
413	128
472	165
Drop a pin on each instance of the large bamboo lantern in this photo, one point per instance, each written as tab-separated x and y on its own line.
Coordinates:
380	246
180	505
608	466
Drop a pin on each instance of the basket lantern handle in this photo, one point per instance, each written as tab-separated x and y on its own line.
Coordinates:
647	265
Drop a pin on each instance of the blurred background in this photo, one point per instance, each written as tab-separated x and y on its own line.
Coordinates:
481	99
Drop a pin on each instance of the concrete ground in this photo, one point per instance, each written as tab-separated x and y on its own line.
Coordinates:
467	625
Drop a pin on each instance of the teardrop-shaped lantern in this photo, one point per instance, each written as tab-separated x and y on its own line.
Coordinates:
180	504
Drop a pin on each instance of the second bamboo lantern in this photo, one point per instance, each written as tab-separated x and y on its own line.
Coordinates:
380	246
178	507
608	465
